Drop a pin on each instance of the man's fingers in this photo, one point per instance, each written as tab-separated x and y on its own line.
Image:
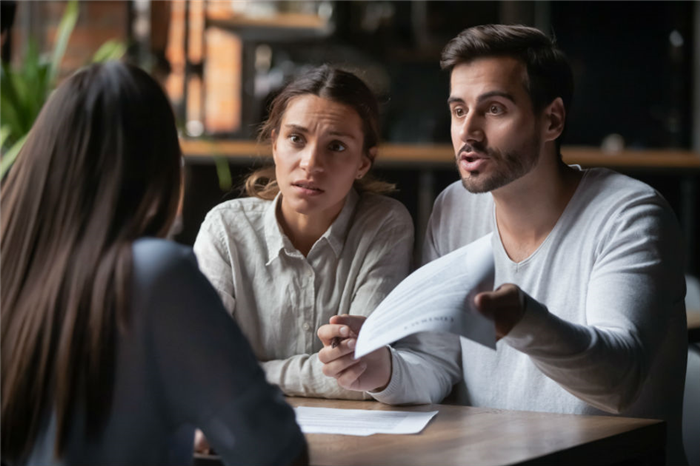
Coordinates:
489	301
327	332
337	366
484	303
329	354
350	377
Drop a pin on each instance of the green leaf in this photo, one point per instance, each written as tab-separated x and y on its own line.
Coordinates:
7	87
32	85
110	50
9	158
10	119
65	29
4	133
24	107
223	171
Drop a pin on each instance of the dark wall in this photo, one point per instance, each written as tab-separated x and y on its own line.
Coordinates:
632	65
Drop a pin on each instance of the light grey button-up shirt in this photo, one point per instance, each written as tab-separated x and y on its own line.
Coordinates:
280	298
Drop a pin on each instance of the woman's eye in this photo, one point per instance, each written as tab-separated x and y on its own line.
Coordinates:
295	139
336	146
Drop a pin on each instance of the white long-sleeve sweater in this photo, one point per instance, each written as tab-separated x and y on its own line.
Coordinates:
604	329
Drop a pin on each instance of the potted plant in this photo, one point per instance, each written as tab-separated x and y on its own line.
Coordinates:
24	90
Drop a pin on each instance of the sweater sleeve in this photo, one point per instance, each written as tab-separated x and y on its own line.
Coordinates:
207	374
425	367
386	263
634	296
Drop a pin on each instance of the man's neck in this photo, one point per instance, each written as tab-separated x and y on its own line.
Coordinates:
528	209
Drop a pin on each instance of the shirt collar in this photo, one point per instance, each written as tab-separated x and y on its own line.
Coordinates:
274	236
338	231
335	235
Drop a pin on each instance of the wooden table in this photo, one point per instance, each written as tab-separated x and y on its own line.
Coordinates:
461	435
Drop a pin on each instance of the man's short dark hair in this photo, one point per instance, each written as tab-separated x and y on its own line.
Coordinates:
549	74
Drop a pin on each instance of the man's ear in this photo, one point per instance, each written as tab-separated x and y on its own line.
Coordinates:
554	119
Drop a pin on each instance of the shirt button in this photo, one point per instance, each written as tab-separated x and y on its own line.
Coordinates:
306	326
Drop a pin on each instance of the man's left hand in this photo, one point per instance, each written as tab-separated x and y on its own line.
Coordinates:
505	306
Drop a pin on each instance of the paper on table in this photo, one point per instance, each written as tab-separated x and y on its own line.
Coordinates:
360	422
437	297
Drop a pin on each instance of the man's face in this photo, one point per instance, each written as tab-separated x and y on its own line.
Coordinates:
495	133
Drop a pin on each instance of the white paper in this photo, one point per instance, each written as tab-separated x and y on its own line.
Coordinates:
438	297
360	422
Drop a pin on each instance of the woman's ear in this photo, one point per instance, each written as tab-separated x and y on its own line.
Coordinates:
273	139
555	118
366	162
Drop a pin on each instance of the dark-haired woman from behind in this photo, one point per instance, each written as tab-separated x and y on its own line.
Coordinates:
316	238
114	346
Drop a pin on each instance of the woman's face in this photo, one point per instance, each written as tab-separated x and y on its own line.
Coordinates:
318	155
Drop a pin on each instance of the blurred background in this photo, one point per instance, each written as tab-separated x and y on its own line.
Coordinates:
636	106
637	70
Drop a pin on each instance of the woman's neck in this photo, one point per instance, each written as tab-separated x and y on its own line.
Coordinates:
303	230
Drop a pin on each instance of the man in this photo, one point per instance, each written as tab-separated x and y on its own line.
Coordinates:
589	312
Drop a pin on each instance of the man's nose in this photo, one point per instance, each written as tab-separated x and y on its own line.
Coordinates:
472	128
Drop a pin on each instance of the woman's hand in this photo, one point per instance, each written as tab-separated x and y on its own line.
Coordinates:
200	443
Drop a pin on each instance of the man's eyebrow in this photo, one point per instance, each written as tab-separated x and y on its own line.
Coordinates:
488	95
482	97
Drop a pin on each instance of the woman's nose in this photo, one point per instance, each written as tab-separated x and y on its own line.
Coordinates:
311	159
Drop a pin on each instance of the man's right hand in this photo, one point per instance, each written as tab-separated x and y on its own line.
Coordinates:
369	373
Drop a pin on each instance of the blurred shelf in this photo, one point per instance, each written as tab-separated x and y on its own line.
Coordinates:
443	155
648	158
204	149
281	26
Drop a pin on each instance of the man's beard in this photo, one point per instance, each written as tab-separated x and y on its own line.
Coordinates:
506	166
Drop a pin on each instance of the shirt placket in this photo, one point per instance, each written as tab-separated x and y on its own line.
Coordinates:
308	301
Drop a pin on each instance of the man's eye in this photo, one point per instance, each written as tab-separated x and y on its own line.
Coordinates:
458	112
495	109
336	146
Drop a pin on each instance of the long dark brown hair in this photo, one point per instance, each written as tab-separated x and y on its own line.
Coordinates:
333	84
99	169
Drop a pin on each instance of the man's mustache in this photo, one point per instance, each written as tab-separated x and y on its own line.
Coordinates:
477	148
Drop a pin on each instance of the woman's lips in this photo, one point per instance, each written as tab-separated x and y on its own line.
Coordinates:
307	188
